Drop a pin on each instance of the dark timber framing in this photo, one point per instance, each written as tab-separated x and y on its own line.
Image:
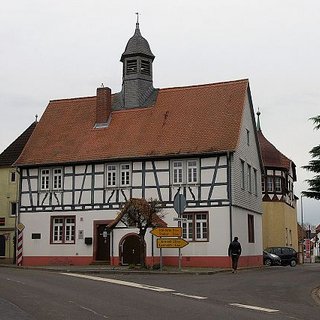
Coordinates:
84	186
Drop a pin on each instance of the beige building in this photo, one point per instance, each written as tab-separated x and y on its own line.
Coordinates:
9	183
279	220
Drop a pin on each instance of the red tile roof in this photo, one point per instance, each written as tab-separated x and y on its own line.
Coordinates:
185	120
271	156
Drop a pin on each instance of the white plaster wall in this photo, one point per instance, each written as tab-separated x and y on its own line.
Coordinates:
240	229
41	223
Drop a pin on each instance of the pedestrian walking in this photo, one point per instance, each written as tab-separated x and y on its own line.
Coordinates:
234	252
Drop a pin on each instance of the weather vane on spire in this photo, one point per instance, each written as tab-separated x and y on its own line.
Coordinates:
258	120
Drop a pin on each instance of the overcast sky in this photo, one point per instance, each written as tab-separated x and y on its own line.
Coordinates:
52	49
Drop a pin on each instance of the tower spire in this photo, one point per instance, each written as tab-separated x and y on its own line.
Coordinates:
137	31
258	120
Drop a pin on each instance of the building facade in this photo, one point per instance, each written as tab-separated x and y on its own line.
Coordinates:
278	198
88	156
9	189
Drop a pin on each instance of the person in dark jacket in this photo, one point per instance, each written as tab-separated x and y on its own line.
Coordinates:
234	252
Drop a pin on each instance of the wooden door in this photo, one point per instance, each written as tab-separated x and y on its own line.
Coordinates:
103	243
131	250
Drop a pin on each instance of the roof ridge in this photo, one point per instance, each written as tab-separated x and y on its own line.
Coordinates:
205	84
71	99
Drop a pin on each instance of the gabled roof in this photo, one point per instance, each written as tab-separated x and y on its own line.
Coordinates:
185	120
13	151
272	157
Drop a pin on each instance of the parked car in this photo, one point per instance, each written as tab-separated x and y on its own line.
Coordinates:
271	259
288	255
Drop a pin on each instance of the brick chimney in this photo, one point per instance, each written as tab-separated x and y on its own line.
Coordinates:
103	105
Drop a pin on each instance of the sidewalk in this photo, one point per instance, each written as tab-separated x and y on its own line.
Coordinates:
96	269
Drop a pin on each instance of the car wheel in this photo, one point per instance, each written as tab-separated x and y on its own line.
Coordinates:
268	262
293	263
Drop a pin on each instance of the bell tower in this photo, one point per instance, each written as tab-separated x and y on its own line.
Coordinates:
137	80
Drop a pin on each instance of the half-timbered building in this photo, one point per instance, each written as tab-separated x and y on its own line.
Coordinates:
279	223
89	155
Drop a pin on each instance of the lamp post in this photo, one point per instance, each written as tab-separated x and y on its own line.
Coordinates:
302	227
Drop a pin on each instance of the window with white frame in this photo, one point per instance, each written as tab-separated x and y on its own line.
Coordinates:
51	179
118	175
125	173
263	186
270	184
277	184
185	171
177	168
57	178
195	228
63	230
201	222
111	175
44	179
192	171
187	227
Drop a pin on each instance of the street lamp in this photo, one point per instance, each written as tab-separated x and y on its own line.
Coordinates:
302	228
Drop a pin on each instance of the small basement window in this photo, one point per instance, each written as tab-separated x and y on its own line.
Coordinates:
132	66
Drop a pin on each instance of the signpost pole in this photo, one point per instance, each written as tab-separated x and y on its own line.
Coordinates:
160	259
179	224
179	206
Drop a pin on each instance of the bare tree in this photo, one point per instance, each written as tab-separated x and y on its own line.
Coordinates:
142	214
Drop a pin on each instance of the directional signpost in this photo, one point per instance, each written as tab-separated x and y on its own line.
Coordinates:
167	232
169	237
171	243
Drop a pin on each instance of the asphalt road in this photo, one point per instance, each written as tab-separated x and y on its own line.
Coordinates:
270	293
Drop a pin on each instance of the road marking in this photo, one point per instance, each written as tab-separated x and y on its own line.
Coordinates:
252	307
134	285
189	296
120	282
17	281
90	310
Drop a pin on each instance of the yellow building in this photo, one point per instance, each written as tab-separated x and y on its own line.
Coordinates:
9	183
279	219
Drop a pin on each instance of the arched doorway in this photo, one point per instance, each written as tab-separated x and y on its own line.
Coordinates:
130	249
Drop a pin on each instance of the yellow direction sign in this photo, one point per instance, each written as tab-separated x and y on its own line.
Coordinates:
171	243
167	232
